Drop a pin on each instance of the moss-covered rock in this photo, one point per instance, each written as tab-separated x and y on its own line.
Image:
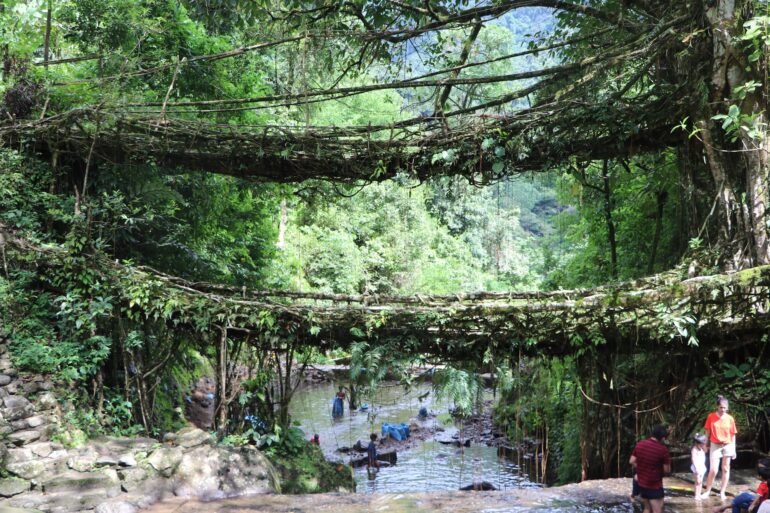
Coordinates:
309	472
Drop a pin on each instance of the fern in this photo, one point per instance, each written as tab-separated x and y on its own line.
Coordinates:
461	387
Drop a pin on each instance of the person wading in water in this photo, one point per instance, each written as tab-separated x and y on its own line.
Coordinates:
338	406
721	431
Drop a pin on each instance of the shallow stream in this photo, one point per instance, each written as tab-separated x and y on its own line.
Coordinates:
426	466
427	475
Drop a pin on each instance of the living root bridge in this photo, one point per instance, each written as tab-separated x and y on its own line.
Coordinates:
711	311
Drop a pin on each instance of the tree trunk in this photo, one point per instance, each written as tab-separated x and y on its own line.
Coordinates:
221	408
47	40
738	160
660	202
281	244
691	196
607	191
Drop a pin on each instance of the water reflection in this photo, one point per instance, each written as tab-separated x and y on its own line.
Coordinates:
428	466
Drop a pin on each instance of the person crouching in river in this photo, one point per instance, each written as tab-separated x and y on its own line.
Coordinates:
652	460
720	427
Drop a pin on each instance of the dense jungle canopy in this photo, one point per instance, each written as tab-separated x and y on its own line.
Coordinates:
162	160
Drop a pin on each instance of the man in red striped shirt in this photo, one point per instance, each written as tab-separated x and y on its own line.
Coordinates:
651	459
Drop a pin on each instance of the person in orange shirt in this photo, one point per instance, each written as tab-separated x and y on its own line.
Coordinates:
721	431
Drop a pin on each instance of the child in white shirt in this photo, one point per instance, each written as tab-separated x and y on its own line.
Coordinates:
698	466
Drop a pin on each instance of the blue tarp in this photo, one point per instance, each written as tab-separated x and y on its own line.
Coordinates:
396	431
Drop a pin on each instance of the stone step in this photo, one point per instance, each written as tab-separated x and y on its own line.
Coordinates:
36	468
78	482
8	509
11	486
60	502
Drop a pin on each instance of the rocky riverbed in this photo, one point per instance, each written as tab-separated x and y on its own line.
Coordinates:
605	496
123	475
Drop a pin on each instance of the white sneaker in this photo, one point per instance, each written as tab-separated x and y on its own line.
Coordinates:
705	495
722	495
698	497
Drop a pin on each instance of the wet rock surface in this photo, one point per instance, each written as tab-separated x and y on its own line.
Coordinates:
123	474
606	496
478	429
109	474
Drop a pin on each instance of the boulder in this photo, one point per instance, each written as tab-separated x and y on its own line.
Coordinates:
18	425
75	482
84	460
8	509
198	474
4	379
247	471
47	401
17	407
127	460
17	455
131	478
59	502
41	449
106	460
216	472
29	469
58	454
117	445
30	387
11	486
116	506
24	437
192	437
148	491
165	460
35	421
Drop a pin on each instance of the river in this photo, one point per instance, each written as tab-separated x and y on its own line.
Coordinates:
427	476
427	466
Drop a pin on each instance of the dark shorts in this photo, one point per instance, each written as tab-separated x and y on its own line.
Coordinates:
651	493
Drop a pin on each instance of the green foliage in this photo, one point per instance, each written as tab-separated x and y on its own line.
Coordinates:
542	401
24	198
305	470
119	415
81	422
36	346
385	239
639	192
78	321
290	442
461	387
22	23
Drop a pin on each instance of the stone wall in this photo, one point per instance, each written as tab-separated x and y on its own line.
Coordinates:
109	475
23	422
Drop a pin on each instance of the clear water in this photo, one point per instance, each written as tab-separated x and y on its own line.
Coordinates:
428	466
